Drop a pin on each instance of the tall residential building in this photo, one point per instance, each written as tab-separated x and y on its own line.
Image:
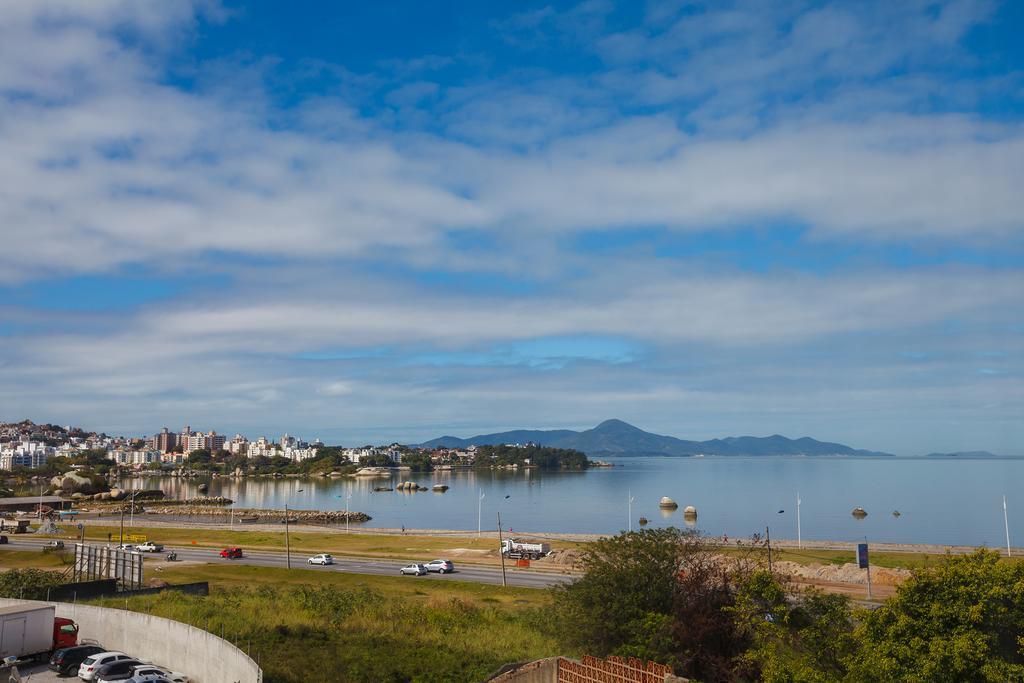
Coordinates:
165	441
213	442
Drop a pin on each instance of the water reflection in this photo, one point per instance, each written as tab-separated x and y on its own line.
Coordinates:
735	496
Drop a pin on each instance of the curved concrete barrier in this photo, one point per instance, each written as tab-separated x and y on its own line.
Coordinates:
164	642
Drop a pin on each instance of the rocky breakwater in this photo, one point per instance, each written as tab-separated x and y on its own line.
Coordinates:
201	501
195	507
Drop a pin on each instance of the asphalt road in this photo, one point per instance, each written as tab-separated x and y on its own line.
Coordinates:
381	567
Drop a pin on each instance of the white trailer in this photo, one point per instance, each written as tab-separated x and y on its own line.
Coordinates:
516	549
26	631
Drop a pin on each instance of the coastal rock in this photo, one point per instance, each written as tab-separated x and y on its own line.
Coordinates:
859	513
667	503
689	511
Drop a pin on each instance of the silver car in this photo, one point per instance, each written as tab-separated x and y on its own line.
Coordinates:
414	569
441	566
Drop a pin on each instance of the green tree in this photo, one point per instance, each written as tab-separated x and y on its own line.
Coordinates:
28	584
199	459
623	603
960	621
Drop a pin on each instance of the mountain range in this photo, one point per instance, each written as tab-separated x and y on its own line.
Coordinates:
615	437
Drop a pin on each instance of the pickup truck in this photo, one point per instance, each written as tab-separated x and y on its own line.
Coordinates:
34	632
150	547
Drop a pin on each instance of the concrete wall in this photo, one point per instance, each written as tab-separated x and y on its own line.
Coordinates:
203	656
538	671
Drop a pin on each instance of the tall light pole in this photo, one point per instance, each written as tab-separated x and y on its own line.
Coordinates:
131	500
799	540
287	542
1006	525
131	521
479	511
347	499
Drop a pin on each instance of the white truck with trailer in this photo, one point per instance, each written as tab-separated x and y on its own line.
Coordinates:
516	549
34	631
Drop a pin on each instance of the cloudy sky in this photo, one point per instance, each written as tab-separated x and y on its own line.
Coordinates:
391	221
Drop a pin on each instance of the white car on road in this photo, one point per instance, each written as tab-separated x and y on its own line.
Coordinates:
150	547
322	558
414	569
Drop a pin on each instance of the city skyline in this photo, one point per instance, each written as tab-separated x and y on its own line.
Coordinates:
377	224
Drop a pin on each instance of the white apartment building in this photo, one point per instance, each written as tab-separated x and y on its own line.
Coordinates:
136	458
25	454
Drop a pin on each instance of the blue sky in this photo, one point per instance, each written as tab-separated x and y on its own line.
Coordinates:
378	221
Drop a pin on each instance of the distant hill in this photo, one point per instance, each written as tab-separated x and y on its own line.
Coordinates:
615	437
963	454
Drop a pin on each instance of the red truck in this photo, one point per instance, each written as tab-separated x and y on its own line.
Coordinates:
34	631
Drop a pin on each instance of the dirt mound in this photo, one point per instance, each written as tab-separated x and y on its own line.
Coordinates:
567	559
843	573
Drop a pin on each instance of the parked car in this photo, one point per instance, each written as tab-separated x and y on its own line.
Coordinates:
68	659
150	547
120	670
59	545
231	553
322	558
150	673
415	570
441	566
89	666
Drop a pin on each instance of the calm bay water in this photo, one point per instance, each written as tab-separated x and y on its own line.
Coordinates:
942	501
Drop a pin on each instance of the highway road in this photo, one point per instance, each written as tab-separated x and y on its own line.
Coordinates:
354	565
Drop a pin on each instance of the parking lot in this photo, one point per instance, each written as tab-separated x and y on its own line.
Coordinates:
34	674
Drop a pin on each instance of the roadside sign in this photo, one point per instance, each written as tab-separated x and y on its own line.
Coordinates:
862	555
136	538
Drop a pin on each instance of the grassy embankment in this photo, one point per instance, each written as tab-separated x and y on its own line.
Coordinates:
25	559
303	625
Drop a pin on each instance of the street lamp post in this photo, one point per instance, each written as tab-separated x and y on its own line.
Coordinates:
479	511
347	499
131	500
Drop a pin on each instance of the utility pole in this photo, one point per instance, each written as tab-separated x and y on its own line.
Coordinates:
287	544
121	534
504	582
1006	525
347	499
799	540
768	536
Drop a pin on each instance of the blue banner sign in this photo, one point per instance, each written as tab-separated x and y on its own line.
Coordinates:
862	555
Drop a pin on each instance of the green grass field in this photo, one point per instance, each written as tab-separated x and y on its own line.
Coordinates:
23	559
304	626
